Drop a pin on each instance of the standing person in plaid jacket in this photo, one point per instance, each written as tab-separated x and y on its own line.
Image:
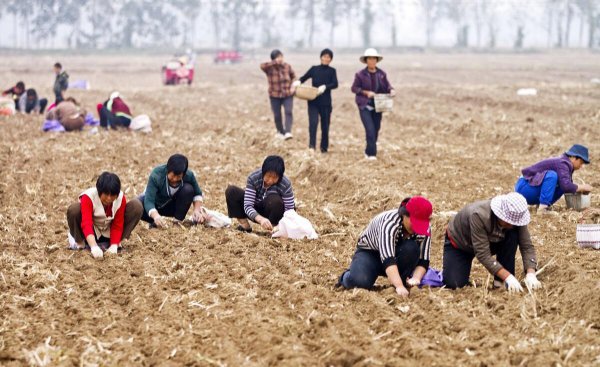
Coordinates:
280	76
491	227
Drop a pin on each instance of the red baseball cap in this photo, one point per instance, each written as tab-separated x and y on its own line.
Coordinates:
419	210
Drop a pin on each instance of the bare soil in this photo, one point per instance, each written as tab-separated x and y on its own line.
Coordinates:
199	296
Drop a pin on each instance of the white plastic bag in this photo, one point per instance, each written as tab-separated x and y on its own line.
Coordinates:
141	123
216	219
294	226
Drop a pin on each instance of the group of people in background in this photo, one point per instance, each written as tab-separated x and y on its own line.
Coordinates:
368	82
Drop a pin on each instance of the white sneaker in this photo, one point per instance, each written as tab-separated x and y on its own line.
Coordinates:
370	157
280	136
288	136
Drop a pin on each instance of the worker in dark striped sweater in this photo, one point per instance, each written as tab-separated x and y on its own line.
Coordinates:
395	244
267	196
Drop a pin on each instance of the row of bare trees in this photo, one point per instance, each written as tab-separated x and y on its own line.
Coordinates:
250	23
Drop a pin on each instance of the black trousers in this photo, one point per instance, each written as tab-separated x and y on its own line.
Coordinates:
457	263
271	207
177	207
314	111
109	119
366	265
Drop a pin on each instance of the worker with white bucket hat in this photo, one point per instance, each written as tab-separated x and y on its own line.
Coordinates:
491	227
367	83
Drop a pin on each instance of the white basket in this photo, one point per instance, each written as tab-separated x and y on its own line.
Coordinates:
578	201
588	236
383	103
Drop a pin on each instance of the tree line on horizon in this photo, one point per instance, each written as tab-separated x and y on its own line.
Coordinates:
243	24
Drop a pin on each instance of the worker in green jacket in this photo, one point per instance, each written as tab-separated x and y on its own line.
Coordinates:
170	192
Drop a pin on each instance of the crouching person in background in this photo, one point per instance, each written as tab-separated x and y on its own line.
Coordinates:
395	244
170	192
267	196
491	227
102	215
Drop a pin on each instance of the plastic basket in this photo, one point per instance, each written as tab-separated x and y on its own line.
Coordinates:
578	201
588	235
306	92
383	103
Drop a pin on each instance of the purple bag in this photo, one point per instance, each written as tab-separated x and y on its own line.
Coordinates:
89	120
432	278
53	126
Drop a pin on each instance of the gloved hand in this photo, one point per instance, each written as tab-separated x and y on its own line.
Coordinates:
532	282
321	89
160	222
112	250
97	252
412	282
114	95
512	284
401	291
198	216
296	83
393	93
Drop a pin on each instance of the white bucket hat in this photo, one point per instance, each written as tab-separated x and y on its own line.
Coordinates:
511	208
370	52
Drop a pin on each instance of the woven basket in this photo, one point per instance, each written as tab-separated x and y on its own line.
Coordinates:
306	92
383	103
588	235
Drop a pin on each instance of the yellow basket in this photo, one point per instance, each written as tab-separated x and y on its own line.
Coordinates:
306	92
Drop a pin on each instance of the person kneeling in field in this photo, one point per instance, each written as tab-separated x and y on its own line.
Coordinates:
267	196
102	215
396	243
490	227
170	192
546	181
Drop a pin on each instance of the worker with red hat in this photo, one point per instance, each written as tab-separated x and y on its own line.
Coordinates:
396	244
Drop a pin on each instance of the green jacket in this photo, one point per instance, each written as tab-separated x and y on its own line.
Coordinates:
157	193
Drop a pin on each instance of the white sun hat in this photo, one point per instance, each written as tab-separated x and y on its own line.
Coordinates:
511	208
370	52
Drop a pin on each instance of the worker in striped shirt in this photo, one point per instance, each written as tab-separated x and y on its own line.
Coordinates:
396	244
267	196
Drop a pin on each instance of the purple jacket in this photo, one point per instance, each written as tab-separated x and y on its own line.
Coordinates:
561	165
362	81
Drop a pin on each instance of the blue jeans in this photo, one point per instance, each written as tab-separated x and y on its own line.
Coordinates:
547	193
372	122
366	265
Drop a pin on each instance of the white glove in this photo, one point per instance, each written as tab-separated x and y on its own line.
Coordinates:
512	284
393	93
198	216
97	252
114	95
160	222
412	282
113	250
402	292
532	282
296	83
321	89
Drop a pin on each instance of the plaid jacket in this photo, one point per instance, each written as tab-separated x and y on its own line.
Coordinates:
280	77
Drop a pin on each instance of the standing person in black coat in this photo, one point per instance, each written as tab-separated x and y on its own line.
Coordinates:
323	77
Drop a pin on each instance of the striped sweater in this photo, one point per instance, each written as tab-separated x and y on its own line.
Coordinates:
256	193
382	234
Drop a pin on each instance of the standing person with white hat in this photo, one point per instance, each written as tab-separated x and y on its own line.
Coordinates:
491	227
368	82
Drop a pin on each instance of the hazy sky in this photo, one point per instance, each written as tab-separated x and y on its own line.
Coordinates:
409	19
